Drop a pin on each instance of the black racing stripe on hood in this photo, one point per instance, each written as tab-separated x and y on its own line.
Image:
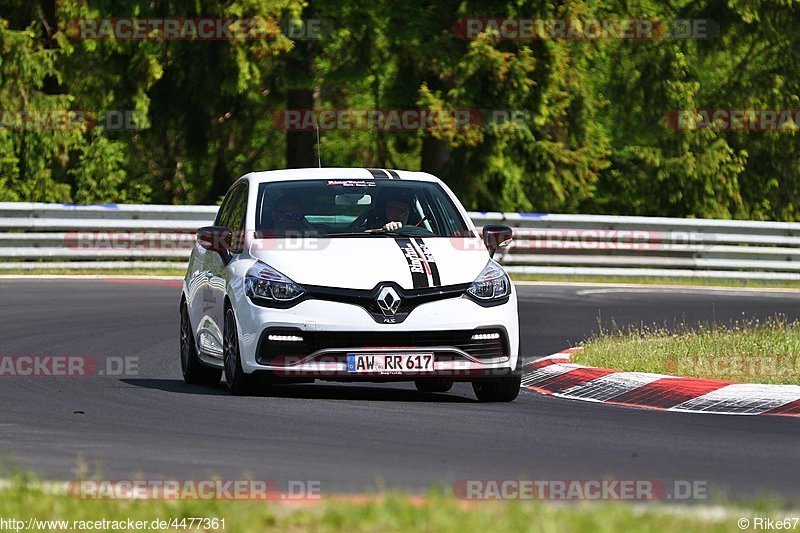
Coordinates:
415	263
393	174
428	256
379	174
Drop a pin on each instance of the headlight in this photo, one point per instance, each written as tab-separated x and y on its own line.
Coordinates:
491	284
264	284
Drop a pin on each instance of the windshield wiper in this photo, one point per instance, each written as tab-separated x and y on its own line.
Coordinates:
379	233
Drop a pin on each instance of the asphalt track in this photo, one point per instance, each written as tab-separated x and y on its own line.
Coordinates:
362	437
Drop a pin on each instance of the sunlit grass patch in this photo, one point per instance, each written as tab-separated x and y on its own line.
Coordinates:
750	350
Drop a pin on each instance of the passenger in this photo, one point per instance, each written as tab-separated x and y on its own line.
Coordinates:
287	215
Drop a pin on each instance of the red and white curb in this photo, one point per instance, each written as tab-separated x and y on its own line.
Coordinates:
556	375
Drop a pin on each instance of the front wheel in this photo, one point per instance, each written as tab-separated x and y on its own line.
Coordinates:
194	372
500	390
238	382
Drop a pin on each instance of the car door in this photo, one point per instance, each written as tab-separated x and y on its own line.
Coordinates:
233	218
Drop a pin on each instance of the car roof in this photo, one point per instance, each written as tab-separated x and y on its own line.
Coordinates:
335	173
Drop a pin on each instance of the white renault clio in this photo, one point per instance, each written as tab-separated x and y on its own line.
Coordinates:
341	274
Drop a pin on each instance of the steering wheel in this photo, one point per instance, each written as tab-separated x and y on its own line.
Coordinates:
360	221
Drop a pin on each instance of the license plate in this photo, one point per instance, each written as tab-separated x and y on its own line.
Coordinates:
390	363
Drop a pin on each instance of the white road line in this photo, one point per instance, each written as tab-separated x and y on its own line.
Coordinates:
691	288
689	292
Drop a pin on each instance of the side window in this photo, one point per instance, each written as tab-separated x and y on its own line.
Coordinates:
224	214
445	220
238	212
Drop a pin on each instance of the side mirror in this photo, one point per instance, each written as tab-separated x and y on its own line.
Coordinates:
496	237
215	239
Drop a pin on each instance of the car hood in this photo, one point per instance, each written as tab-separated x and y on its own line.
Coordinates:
363	262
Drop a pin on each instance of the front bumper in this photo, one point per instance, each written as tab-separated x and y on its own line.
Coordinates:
442	327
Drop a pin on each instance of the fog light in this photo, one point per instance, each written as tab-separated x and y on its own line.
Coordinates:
485	336
285	338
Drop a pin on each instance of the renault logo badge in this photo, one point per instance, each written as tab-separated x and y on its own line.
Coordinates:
388	301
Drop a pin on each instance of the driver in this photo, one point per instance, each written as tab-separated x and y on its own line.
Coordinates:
396	214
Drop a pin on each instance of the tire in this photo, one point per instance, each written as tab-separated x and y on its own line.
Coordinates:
239	383
502	389
194	372
434	385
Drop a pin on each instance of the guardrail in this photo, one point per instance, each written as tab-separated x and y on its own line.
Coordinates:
35	236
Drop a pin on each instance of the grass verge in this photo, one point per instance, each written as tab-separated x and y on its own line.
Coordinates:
394	512
94	272
750	351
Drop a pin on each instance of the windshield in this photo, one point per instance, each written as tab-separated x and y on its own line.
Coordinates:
330	208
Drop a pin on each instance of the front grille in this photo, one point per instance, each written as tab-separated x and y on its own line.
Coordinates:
410	299
314	341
